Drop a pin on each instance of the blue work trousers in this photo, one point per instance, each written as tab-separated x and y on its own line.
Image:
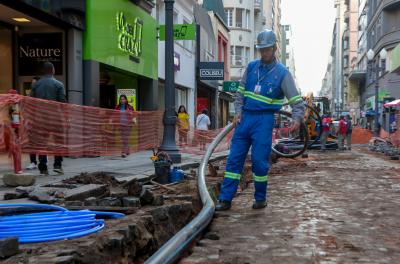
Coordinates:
255	131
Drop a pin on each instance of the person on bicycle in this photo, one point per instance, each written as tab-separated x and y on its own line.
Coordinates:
261	93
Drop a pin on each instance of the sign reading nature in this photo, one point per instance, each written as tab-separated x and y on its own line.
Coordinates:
36	48
130	36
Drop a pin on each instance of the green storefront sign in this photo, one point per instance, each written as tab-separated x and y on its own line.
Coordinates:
181	32
120	34
231	86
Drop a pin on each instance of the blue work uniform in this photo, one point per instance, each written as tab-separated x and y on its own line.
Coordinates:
261	94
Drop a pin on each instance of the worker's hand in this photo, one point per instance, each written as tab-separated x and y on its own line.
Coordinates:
236	119
295	125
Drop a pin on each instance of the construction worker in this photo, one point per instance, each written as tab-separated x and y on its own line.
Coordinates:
261	93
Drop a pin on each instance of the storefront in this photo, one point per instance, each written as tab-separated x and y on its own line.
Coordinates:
32	32
120	55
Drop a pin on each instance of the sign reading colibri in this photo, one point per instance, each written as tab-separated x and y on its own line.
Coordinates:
130	37
181	32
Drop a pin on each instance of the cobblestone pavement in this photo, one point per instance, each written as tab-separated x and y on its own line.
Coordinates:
334	207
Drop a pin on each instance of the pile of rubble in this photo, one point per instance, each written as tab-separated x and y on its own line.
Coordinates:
94	191
382	146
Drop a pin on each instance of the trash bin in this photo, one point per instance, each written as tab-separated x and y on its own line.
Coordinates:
162	169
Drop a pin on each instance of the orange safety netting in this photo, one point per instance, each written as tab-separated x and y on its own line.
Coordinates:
53	128
194	141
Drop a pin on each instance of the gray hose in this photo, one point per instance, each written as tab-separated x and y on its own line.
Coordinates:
171	250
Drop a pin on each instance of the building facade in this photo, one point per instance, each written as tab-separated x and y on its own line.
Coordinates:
350	56
184	59
32	32
287	51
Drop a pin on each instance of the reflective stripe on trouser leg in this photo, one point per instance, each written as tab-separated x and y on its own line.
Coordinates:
260	186
261	136
239	147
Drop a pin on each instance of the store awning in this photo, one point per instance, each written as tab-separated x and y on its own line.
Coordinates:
357	75
393	103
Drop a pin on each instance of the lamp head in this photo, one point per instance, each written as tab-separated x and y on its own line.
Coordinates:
370	55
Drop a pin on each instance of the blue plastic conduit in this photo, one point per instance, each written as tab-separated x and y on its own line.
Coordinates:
55	225
171	250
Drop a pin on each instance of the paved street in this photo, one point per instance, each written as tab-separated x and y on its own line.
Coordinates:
336	207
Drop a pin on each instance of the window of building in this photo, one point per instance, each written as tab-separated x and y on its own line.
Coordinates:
247	58
247	19
239	56
287	42
229	16
239	17
287	55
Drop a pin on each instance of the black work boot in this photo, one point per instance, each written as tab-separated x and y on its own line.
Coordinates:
259	204
223	206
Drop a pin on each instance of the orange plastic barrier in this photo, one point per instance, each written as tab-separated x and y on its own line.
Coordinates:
53	128
194	141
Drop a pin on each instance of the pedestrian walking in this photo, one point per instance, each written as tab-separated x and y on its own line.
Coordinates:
33	161
260	94
126	122
349	131
341	133
202	124
326	128
183	124
49	88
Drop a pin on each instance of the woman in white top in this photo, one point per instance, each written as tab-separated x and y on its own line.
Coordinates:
203	121
202	124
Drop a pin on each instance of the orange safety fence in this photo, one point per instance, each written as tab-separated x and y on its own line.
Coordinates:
53	128
194	141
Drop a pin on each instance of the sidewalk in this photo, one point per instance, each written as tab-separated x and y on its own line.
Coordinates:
135	164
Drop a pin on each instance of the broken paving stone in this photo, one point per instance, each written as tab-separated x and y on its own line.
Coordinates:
91	201
43	195
25	189
110	201
158	200
14	180
131	201
146	196
15	195
9	247
86	191
135	188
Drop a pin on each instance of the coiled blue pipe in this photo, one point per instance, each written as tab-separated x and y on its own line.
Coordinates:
59	224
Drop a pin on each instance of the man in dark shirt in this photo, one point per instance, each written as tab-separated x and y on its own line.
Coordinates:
50	89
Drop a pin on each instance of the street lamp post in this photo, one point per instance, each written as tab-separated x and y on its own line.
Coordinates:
169	145
377	69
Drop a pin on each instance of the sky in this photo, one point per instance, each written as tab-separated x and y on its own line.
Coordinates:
312	23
